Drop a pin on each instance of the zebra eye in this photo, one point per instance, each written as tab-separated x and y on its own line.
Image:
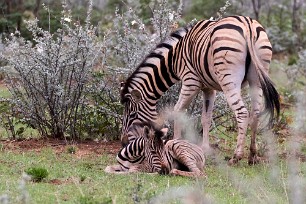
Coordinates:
133	115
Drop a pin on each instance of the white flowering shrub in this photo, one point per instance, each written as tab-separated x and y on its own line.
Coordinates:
282	40
296	72
49	74
133	38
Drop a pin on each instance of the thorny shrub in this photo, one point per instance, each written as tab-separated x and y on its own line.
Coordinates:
51	72
296	71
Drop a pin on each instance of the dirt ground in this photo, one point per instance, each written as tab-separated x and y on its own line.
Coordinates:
90	148
84	148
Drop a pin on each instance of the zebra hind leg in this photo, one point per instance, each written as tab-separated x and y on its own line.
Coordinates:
253	156
236	103
256	102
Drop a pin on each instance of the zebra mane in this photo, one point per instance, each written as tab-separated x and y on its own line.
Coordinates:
177	34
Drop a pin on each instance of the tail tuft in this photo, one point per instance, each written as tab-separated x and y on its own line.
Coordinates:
272	99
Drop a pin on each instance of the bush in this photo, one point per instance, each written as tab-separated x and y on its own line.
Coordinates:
50	74
296	71
101	116
71	149
66	83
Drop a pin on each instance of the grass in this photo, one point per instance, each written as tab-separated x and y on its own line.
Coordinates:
82	180
4	92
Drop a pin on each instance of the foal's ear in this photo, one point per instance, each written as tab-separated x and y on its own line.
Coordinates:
146	131
164	131
136	95
122	85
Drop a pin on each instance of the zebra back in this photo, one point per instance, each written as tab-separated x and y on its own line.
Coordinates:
183	155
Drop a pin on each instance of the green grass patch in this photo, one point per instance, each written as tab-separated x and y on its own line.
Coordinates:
82	180
37	173
4	92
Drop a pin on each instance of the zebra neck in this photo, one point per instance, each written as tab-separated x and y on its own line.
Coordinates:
158	72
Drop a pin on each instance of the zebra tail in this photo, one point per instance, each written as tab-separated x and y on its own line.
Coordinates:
272	99
271	96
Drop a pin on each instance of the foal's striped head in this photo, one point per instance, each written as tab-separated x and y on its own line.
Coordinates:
146	150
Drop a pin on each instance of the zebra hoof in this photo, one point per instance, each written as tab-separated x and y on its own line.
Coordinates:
164	171
174	172
233	161
113	169
253	160
109	169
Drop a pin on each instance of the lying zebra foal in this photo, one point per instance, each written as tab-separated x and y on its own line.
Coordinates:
149	153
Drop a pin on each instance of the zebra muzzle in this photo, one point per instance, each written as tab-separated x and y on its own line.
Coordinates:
164	170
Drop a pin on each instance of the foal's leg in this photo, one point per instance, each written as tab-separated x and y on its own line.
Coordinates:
115	169
195	173
195	166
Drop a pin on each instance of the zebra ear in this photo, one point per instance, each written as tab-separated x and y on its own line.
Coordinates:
164	131
122	85
136	95
146	131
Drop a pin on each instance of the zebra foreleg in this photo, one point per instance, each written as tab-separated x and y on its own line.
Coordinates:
207	109
118	169
188	92
115	169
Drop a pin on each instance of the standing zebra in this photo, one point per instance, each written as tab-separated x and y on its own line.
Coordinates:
211	56
149	153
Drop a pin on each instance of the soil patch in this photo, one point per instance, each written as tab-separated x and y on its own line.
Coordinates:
84	148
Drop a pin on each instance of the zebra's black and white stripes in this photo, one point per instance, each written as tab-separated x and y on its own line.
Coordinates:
150	154
219	55
143	153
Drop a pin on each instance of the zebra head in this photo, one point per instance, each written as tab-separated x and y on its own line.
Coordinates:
154	147
145	152
136	109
